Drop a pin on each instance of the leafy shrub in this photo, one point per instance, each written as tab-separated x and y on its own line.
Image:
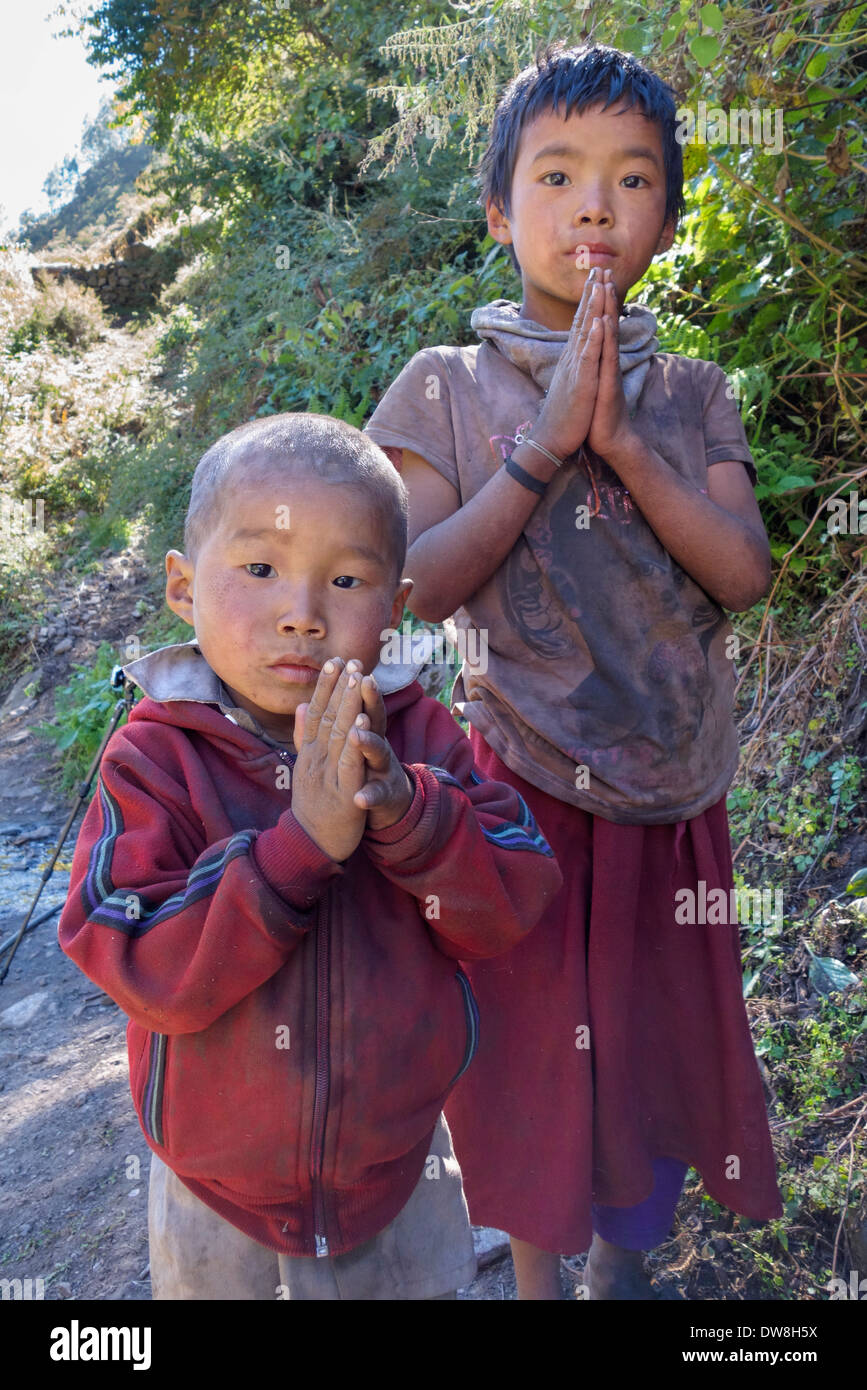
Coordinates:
83	708
67	315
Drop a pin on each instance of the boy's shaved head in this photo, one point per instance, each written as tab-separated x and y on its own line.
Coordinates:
328	449
566	80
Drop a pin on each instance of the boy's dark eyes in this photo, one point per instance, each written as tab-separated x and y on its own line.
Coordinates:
558	174
343	581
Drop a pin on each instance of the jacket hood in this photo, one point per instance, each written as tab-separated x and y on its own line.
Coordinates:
182	688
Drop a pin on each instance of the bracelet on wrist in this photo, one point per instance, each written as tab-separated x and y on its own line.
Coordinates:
526	479
525	439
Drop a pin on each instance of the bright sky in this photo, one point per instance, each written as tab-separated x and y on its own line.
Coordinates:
47	90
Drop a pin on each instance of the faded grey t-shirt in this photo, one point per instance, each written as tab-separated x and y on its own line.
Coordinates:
608	682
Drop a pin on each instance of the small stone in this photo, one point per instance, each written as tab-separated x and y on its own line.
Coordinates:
64	645
134	1193
64	1289
41	832
490	1244
20	1014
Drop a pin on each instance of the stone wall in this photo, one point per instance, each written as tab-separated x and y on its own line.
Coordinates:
132	279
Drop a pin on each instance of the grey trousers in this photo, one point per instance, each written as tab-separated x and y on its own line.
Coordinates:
426	1252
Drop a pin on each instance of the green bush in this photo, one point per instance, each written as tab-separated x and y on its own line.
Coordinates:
67	315
82	710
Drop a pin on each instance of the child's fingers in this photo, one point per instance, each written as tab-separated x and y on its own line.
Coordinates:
610	309
580	330
583	303
345	706
330	714
591	348
300	719
377	752
611	346
328	679
374	705
371	794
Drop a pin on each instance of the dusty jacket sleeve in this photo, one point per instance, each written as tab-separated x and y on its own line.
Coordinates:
177	931
467	849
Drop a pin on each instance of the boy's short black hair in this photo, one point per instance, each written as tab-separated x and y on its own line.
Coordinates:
331	449
571	79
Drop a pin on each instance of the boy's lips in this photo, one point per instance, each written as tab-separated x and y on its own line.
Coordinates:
593	248
298	669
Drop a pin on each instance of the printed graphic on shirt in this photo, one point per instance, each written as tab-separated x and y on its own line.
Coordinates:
569	591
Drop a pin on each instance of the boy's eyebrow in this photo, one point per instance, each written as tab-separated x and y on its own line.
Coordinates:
252	534
573	151
352	547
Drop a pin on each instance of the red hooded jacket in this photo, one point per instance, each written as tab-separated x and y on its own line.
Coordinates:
296	1024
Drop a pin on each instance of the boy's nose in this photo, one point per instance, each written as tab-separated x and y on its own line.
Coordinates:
593	208
301	613
302	622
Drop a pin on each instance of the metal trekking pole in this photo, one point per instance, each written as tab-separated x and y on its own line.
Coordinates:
127	689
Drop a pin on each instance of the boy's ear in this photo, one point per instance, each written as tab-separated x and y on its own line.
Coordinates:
666	237
498	223
401	595
179	585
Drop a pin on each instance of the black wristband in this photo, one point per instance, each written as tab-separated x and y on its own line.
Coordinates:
524	478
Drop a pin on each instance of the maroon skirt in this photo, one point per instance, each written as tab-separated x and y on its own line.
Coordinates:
611	1036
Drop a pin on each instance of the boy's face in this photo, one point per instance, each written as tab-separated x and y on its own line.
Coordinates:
596	179
295	571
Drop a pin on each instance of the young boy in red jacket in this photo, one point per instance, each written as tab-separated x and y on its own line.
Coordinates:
288	852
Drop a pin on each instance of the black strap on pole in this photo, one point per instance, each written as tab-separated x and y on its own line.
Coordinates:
126	688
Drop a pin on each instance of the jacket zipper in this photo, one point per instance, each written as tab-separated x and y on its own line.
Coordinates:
320	1095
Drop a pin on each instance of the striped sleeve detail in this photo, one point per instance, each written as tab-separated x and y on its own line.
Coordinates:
523	833
445	777
128	911
152	1100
